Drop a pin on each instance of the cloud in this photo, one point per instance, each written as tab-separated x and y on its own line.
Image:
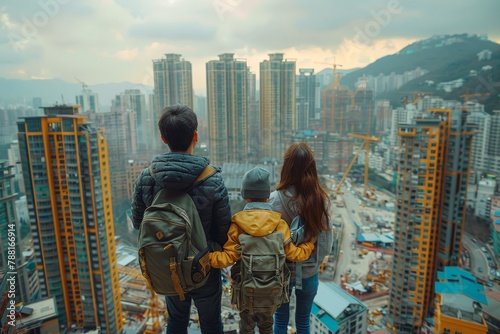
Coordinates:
167	31
85	38
127	54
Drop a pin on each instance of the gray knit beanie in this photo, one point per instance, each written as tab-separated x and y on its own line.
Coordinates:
255	184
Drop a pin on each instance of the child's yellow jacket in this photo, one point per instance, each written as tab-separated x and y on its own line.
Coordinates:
258	222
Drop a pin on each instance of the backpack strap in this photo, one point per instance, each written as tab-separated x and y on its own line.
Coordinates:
205	174
285	206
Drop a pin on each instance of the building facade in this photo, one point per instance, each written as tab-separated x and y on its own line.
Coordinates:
88	100
433	168
494	148
132	100
307	98
120	127
495	224
67	178
227	106
346	315
458	303
481	142
278	118
11	253
485	191
173	84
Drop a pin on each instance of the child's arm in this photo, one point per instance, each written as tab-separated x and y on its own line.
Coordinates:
231	252
299	253
295	253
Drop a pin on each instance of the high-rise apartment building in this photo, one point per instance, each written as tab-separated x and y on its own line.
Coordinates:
88	100
11	256
480	144
253	118
277	105
495	224
383	115
173	84
485	191
132	100
67	178
400	116
493	147
252	86
307	98
433	168
227	104
121	137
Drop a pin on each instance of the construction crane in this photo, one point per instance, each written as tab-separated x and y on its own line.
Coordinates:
416	97
152	314
467	95
366	143
361	86
336	77
84	85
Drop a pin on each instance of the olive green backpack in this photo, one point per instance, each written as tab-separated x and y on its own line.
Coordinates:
173	252
260	278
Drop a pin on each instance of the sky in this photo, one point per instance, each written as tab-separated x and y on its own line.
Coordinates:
102	41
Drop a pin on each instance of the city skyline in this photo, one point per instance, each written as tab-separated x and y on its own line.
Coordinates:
32	45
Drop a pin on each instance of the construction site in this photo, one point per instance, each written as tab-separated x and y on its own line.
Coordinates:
143	311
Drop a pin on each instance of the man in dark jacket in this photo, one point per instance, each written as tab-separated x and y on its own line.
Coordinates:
178	169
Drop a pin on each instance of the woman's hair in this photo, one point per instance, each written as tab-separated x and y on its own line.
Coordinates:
299	170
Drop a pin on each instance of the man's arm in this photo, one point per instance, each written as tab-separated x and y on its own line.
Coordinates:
138	206
221	213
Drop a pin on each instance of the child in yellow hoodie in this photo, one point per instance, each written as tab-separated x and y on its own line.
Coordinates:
257	220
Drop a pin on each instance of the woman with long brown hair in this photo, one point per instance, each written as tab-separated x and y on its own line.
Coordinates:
299	192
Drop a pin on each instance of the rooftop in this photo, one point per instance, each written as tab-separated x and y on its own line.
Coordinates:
461	295
41	311
333	313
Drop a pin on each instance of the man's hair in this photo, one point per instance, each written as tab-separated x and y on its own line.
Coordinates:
177	125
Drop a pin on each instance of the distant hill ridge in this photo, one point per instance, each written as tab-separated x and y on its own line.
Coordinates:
446	58
57	90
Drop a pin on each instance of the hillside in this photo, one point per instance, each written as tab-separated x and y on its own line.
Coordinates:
446	58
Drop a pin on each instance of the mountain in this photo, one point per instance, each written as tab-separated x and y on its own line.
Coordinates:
14	91
446	58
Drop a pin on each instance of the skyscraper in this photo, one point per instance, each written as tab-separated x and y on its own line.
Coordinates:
433	168
493	147
307	98
11	256
227	109
67	178
132	100
88	100
277	105
173	84
121	133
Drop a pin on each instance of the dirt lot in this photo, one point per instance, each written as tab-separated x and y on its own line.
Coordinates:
477	227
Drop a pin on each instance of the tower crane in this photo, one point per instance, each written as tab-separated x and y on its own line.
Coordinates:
366	143
467	95
336	77
416	97
335	86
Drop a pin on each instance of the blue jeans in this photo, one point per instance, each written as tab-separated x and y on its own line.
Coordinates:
207	300
304	299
